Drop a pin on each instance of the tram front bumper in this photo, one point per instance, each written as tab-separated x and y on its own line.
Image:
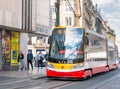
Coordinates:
63	74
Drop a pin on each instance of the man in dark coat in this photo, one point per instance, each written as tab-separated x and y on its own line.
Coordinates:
29	59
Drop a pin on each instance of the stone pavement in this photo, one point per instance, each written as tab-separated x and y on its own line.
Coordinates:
14	75
112	83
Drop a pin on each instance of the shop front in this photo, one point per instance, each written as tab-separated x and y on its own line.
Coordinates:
37	43
10	48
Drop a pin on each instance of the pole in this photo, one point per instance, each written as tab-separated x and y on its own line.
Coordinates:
57	8
77	8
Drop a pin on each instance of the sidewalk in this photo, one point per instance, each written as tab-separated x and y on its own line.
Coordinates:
34	74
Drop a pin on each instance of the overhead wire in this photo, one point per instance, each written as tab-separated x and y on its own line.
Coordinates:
70	6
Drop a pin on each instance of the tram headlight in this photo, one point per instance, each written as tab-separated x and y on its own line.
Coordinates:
50	65
77	66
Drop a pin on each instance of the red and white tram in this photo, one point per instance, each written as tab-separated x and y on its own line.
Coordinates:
78	53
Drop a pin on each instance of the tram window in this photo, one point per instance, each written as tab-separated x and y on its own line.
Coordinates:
87	41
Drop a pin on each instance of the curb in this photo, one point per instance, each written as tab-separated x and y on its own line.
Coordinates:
38	77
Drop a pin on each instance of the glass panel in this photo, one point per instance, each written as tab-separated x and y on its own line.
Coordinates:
67	44
70	21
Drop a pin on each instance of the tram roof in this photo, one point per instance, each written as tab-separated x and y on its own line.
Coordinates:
69	27
82	27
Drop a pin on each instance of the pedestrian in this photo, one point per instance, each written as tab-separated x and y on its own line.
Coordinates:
46	56
41	60
21	60
38	59
29	59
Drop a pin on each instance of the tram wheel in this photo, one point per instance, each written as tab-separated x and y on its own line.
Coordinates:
106	69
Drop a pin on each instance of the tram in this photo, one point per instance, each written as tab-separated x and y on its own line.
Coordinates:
78	53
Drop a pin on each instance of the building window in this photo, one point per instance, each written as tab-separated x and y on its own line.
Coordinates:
53	9
70	21
67	8
66	21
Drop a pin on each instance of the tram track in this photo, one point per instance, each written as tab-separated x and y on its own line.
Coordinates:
59	86
43	83
47	84
54	86
19	84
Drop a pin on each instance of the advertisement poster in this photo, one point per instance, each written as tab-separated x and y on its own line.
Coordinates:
14	47
6	47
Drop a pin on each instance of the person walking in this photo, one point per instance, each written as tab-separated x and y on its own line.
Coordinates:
29	59
46	56
41	60
38	59
20	60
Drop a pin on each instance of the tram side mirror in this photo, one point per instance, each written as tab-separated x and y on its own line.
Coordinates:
87	41
49	39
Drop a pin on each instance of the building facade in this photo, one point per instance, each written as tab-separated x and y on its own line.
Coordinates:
90	17
10	27
110	34
118	45
18	20
37	41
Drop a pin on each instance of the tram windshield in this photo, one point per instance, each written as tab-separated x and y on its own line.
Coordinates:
67	45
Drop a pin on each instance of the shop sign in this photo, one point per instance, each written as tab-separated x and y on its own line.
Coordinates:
42	30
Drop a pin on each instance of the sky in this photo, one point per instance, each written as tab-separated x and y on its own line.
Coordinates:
110	11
